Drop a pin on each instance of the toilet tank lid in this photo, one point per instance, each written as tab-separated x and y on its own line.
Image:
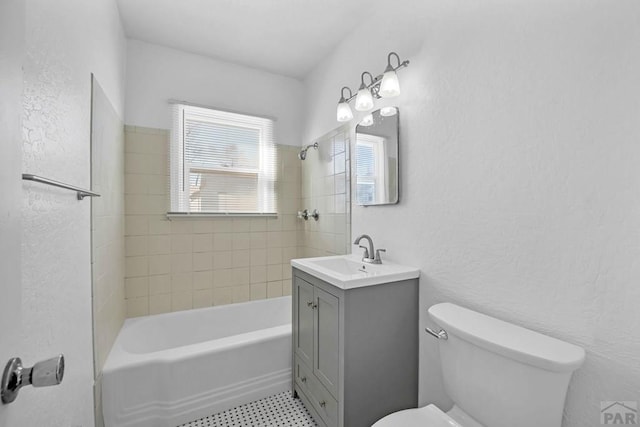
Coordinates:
507	339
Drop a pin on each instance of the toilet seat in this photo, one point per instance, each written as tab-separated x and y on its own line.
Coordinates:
427	416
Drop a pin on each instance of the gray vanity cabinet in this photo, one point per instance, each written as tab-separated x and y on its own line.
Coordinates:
355	351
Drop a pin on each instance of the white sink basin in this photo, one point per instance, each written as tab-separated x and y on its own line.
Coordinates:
348	271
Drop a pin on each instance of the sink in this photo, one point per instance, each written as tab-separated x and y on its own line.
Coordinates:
348	271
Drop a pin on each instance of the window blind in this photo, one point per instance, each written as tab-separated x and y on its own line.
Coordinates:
221	162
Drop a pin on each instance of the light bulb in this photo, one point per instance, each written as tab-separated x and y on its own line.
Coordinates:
344	113
366	120
390	85
364	100
388	111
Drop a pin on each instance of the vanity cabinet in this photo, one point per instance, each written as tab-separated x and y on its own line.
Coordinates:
355	351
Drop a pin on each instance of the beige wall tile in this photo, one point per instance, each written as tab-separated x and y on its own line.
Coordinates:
286	287
181	243
160	284
241	225
222	242
181	263
222	259
258	273
258	257
223	225
136	245
258	291
136	225
159	225
258	240
223	278
202	261
223	296
202	279
159	264
241	241
203	226
137	307
258	224
274	239
274	272
136	287
159	304
274	256
241	293
159	244
181	301
274	289
241	276
242	258
202	298
202	243
136	266
181	282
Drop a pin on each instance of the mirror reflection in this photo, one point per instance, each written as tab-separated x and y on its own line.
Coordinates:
376	157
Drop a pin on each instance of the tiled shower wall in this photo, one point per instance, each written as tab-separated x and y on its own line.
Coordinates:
326	187
191	263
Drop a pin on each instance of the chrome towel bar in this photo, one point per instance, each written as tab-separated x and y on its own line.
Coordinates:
81	193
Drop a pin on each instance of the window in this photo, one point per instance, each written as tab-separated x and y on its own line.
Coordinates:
221	162
371	177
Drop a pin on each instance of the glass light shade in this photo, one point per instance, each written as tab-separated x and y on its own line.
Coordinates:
390	86
364	100
344	113
366	120
388	111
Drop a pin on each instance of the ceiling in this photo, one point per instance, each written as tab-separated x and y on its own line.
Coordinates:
286	37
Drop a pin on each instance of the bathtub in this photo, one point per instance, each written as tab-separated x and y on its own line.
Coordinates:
168	369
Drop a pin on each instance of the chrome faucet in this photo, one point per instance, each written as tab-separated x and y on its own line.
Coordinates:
369	252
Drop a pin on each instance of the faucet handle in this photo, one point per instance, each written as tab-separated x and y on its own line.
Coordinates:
378	260
366	251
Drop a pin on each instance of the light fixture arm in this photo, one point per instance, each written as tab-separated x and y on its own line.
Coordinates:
362	84
342	98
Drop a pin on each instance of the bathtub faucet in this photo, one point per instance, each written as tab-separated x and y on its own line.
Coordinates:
369	253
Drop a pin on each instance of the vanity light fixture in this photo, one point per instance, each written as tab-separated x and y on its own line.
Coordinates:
388	111
344	113
385	85
390	85
364	99
366	120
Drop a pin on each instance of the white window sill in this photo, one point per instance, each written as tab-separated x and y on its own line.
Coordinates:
210	215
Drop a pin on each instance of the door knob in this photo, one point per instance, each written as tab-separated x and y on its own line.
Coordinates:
42	374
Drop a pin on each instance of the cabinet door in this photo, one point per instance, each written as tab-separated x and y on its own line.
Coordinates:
303	313
326	340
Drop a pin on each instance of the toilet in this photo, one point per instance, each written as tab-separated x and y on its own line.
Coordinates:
497	374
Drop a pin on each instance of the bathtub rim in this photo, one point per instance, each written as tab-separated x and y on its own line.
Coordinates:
120	358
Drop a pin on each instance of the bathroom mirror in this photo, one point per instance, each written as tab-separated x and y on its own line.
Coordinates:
376	158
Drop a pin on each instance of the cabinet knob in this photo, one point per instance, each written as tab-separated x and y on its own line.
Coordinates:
323	404
303	379
309	303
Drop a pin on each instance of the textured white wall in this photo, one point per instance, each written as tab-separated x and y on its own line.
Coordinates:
520	197
156	74
66	41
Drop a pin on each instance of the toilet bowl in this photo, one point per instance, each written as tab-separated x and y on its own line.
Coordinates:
497	374
429	415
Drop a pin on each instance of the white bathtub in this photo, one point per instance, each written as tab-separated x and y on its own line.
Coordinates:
168	369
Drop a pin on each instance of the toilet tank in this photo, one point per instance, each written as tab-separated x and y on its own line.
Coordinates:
500	374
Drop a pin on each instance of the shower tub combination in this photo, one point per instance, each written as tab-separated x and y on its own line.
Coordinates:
169	369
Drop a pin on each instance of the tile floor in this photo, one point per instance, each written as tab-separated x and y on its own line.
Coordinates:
280	410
